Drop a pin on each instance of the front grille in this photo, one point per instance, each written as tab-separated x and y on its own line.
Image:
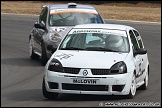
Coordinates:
84	87
71	70
100	71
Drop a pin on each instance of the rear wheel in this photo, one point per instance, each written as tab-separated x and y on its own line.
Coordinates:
43	55
46	94
144	86
31	52
132	88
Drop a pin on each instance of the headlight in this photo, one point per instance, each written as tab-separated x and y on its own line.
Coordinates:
118	68
55	37
55	66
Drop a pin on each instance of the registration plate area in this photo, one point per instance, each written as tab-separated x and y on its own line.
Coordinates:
84	81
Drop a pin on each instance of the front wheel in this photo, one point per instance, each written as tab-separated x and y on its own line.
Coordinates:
31	52
43	55
46	94
132	88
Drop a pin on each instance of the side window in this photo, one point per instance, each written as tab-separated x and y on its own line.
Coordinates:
43	15
138	39
133	39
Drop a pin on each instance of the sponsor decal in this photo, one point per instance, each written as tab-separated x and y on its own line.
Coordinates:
86	31
102	31
85	81
65	56
114	32
140	73
60	29
57	11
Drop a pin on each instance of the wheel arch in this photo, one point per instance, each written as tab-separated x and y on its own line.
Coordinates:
42	42
134	72
148	69
29	37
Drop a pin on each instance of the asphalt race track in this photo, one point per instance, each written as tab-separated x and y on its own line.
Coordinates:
21	77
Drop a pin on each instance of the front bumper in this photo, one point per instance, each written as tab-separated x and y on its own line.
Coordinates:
76	84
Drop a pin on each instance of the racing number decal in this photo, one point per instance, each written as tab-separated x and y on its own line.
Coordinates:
140	67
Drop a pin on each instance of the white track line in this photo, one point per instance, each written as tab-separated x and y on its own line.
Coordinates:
20	14
133	21
104	19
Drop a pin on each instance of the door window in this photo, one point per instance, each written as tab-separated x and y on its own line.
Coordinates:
43	15
133	39
139	39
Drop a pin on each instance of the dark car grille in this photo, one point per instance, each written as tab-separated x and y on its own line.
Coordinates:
100	71
84	87
71	70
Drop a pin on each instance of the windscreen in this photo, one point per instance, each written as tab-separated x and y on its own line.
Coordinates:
96	40
72	17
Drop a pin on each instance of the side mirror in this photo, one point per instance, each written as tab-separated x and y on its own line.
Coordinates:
51	48
36	25
140	51
41	25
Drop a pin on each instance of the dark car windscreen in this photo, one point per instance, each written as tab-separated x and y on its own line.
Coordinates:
72	18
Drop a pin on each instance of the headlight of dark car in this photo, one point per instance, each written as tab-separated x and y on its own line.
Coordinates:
118	68
55	37
55	66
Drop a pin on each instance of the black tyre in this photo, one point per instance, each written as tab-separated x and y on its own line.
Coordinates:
33	56
132	88
144	86
46	94
43	55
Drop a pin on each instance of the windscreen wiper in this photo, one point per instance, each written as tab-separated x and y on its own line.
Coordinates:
100	49
72	48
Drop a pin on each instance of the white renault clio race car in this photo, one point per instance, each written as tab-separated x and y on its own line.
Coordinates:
103	59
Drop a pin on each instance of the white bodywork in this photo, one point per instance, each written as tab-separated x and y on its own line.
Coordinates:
87	60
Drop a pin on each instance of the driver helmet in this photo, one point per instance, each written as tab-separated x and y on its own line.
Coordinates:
115	41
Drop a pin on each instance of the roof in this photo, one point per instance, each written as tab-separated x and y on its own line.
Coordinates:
54	6
103	26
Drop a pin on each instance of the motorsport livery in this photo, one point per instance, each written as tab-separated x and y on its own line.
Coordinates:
103	59
54	22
